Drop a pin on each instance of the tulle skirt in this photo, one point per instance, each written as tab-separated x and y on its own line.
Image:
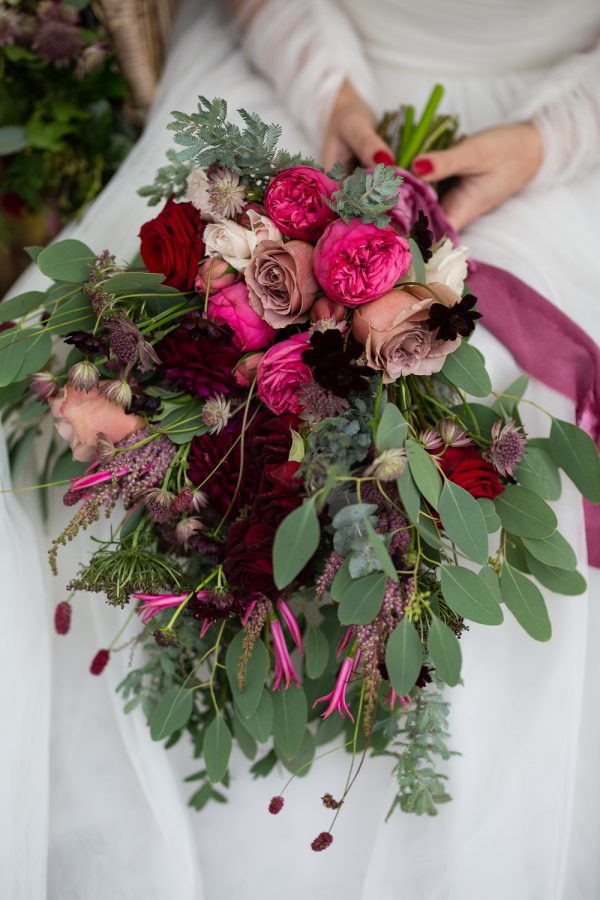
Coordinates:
94	809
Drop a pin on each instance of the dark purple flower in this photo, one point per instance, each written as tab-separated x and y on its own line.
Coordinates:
199	360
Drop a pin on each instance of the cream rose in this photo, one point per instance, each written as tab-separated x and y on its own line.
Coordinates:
448	266
230	241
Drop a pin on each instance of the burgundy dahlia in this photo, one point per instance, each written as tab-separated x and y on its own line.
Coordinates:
199	360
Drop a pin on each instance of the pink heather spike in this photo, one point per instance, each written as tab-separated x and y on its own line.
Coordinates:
248	611
154	603
87	481
205	626
290	620
337	698
345	640
284	670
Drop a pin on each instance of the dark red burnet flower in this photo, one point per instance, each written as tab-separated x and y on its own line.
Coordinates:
99	662
172	245
322	841
466	467
62	617
200	357
276	805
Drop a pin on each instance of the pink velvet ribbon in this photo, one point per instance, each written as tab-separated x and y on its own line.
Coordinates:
549	346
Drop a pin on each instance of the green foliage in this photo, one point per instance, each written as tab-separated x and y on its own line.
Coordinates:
464	522
465	368
444	649
362	599
367	195
216	748
420	787
290	714
424	472
404	657
391	430
208	137
172	713
468	594
257	667
575	452
524	513
526	603
296	540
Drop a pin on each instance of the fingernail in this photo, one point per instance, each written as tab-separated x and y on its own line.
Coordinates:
385	158
422	167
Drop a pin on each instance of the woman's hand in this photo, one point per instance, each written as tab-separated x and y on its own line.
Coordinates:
351	133
491	166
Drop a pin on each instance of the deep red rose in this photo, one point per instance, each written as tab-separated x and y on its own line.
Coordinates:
172	245
202	363
466	467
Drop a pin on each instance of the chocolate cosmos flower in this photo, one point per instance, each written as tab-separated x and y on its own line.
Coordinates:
450	321
422	236
332	359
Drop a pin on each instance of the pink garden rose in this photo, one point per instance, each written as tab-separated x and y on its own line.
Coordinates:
281	372
394	331
280	280
214	274
324	308
82	415
231	307
294	201
355	263
245	371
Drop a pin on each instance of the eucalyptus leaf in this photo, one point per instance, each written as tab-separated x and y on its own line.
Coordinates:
21	305
296	541
538	472
392	429
444	649
131	282
492	521
171	713
13	139
526	603
404	657
561	581
381	552
524	513
464	522
256	673
409	495
424	471
362	600
316	651
71	314
342	581
301	762
216	749
260	724
468	595
575	452
505	406
553	551
67	260
290	714
417	261
465	369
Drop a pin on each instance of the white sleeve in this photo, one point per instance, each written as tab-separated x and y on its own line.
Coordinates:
306	48
565	107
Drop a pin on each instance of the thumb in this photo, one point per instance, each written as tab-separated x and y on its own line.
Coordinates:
437	165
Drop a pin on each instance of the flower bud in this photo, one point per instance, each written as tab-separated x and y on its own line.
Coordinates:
118	392
44	385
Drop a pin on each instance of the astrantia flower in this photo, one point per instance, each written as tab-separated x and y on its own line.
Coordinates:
226	195
187	528
216	413
201	360
159	503
389	465
118	392
450	321
90	58
508	446
431	440
10	26
84	376
57	42
452	434
44	386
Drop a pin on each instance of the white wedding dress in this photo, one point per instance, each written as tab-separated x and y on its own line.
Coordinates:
90	807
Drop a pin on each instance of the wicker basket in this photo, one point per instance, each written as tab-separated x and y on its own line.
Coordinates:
139	30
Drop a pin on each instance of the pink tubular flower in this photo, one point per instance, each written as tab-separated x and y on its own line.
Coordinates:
393	698
284	670
231	306
290	620
248	612
356	262
155	603
294	200
345	640
337	697
281	372
88	481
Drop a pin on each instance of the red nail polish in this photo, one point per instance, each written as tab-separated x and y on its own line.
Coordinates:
422	167
382	156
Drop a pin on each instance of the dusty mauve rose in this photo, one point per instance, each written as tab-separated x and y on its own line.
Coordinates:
245	372
356	262
82	415
172	245
324	308
261	226
231	307
466	467
294	200
414	196
281	372
395	333
281	283
214	274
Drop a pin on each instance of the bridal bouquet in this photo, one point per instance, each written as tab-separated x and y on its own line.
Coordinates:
278	397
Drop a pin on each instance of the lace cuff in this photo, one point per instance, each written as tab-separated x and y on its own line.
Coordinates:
306	49
566	110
